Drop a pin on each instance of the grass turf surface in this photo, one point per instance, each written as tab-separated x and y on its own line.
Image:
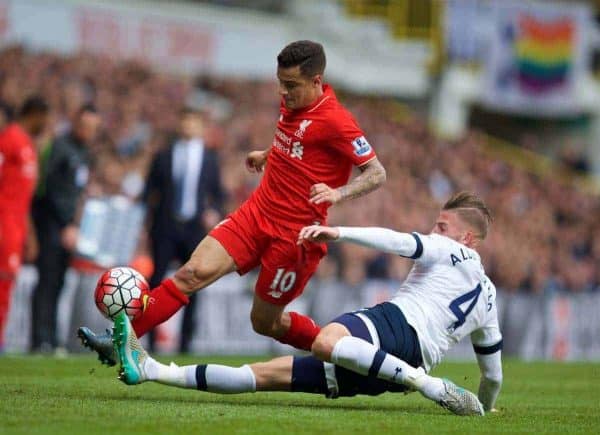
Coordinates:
75	395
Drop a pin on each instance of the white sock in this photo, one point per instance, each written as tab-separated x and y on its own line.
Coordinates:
225	380
366	359
207	377
184	377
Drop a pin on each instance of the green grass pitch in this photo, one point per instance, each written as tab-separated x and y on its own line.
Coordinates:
76	395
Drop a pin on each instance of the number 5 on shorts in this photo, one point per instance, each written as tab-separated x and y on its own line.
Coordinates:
283	282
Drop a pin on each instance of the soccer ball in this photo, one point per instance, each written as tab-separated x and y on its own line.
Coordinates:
121	288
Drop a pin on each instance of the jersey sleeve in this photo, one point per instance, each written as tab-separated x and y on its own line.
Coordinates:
383	239
488	338
350	140
430	248
487	343
424	249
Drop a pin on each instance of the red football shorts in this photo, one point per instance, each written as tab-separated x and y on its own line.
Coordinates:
251	240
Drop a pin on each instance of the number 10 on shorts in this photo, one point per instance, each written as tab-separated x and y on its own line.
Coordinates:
282	283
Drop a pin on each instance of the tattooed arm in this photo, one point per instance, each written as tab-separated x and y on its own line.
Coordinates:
372	176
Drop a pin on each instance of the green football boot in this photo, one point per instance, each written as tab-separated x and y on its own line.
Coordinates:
132	355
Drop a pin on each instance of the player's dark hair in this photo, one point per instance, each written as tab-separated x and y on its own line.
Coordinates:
34	105
472	210
309	55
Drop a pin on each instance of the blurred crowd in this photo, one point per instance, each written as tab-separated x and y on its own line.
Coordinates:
546	233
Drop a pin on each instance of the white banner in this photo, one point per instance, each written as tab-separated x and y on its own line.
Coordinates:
539	53
198	38
177	38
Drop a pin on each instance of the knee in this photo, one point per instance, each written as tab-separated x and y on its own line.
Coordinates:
195	274
322	347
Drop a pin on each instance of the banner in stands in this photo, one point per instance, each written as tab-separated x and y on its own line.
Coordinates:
175	36
194	38
146	38
538	55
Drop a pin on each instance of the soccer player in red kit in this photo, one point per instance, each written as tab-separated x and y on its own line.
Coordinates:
18	176
317	142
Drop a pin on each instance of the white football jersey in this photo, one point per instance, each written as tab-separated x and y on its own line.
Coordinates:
447	296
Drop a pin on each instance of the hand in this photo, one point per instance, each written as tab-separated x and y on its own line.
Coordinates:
255	161
320	193
69	236
31	248
317	234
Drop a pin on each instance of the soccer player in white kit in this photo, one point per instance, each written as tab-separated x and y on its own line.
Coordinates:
445	297
388	347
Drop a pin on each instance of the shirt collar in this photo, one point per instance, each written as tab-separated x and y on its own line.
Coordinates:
192	142
327	93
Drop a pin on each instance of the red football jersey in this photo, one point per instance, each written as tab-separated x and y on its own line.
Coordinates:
18	172
316	144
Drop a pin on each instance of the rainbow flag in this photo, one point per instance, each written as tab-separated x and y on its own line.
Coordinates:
545	52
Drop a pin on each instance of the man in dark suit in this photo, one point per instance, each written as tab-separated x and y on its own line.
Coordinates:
185	199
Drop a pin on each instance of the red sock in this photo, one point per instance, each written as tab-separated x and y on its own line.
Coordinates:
302	332
165	300
5	289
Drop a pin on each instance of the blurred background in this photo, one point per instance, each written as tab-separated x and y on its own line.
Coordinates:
498	97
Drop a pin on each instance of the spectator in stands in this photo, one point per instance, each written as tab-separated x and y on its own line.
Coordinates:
55	217
573	157
185	198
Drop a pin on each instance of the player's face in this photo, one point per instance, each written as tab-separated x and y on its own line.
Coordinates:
449	224
297	90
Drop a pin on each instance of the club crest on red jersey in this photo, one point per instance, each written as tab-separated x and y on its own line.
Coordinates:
302	128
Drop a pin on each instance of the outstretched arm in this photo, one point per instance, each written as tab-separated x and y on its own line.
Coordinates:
382	239
491	379
372	176
487	344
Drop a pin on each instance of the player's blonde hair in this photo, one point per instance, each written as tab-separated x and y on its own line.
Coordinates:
472	210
